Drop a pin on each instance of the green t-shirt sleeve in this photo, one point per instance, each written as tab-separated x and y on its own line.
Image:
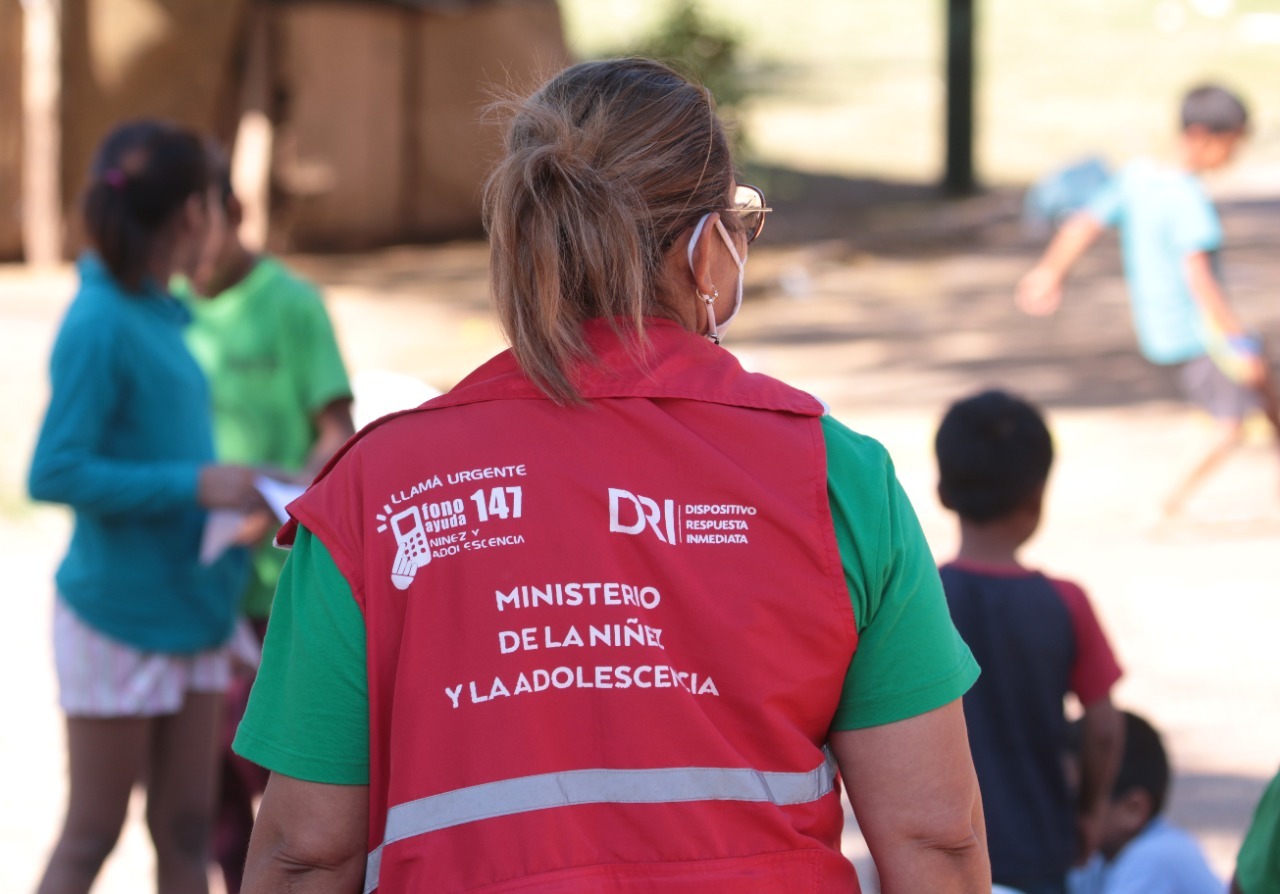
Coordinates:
909	659
319	373
1258	866
308	714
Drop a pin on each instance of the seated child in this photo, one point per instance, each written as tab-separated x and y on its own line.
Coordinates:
1141	852
1036	639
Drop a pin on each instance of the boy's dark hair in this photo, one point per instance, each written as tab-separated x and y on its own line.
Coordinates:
994	450
1215	108
1144	764
141	176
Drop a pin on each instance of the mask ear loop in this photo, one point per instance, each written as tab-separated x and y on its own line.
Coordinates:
737	259
708	300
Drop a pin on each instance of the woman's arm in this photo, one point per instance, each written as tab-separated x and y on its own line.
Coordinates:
308	716
915	793
309	838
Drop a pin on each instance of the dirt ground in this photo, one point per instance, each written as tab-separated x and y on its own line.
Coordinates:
906	309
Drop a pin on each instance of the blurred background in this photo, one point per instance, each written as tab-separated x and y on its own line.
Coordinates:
345	115
895	138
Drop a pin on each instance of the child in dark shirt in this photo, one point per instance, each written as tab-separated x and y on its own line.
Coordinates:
1036	639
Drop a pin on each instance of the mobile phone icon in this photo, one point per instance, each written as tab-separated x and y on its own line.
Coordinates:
413	551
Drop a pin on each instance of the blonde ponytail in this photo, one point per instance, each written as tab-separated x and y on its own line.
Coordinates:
604	167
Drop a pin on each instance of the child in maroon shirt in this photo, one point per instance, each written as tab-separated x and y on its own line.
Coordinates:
1036	639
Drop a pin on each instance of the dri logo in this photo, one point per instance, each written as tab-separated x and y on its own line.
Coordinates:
629	514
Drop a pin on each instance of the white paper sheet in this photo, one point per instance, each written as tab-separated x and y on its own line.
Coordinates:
278	494
222	526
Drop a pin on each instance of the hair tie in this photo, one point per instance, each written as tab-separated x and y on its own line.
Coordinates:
115	178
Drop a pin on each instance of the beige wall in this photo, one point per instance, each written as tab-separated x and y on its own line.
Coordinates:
10	129
461	59
340	141
378	134
130	58
380	137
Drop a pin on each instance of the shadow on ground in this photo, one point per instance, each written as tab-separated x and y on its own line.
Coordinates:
911	294
1209	804
889	217
917	219
904	296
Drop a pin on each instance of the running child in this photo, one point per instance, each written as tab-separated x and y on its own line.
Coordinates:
1171	238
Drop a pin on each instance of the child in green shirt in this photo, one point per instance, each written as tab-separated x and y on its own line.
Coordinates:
281	400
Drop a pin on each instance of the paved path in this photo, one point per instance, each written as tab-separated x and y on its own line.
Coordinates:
887	339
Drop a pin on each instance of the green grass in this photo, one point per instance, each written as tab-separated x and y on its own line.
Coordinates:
854	87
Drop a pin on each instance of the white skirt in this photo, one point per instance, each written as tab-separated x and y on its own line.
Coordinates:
102	677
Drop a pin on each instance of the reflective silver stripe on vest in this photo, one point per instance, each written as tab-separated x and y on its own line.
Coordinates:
664	786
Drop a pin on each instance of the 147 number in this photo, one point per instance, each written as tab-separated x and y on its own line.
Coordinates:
493	503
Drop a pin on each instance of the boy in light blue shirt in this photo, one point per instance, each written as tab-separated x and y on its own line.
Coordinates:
1140	851
1171	238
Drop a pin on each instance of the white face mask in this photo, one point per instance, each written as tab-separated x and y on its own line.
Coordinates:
717	332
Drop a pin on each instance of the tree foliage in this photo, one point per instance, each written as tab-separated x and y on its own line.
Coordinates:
706	50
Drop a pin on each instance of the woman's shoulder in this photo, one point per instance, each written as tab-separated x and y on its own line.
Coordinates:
859	469
846	446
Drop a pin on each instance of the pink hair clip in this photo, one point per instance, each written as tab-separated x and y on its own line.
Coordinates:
115	178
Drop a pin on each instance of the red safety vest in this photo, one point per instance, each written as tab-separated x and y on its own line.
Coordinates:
606	642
